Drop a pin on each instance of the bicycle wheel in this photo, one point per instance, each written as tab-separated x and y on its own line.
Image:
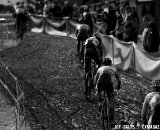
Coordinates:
88	87
105	114
81	52
93	72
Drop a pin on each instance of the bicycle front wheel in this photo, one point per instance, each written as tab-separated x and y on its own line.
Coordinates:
88	87
105	115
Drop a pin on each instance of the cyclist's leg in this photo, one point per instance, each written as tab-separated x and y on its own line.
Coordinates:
99	94
87	59
96	56
111	100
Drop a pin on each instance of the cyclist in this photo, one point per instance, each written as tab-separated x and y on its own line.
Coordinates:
152	104
92	50
82	33
20	15
104	82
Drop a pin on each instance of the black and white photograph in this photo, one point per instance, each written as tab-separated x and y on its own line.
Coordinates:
79	65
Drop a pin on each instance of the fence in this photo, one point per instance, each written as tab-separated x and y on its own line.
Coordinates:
8	39
47	25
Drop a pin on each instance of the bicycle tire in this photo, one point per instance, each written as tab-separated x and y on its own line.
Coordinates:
81	51
87	87
93	72
105	113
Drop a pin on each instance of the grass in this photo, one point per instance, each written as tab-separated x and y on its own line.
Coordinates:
49	74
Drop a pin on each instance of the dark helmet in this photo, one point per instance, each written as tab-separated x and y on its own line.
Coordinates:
107	61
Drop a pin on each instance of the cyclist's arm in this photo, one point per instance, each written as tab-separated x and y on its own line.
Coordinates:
144	110
77	32
96	78
118	79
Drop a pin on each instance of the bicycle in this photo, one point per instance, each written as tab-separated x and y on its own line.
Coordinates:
105	111
89	80
81	51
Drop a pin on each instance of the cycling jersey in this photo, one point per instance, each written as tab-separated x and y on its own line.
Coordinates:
83	31
150	102
83	26
91	40
103	70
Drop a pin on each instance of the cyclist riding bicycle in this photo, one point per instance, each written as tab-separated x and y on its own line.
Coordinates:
104	80
151	105
82	33
92	50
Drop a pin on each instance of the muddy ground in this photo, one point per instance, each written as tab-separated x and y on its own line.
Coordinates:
48	72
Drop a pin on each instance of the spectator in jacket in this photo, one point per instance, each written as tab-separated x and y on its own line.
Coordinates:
129	30
154	39
56	10
146	21
76	11
112	20
67	10
118	31
21	16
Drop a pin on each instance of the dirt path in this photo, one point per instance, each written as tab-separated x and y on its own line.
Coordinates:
49	74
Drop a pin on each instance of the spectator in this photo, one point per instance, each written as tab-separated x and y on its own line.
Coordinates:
20	15
118	32
152	104
112	20
46	8
75	11
134	14
123	12
87	19
146	21
56	10
99	13
105	20
136	26
67	10
129	30
151	38
99	9
148	9
128	10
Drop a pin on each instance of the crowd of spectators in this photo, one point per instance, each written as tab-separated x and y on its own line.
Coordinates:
122	21
118	19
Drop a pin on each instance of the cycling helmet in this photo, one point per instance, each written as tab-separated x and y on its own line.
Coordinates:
107	61
156	83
